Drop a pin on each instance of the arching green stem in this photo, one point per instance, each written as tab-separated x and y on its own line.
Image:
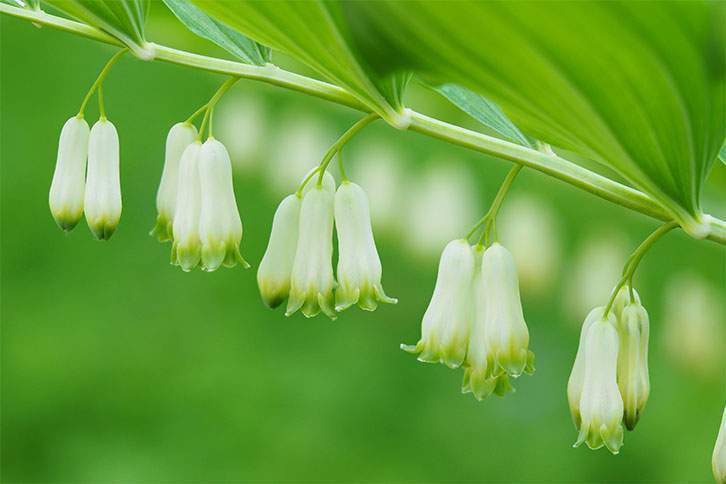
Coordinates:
99	80
343	176
632	264
195	114
101	107
365	121
488	220
209	107
310	176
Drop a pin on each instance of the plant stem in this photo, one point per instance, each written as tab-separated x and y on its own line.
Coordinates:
343	176
99	80
547	163
352	131
209	107
195	114
101	107
491	214
634	260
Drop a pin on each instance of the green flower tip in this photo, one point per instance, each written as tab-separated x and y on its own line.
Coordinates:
162	229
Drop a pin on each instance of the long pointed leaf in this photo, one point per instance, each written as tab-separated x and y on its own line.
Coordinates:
230	40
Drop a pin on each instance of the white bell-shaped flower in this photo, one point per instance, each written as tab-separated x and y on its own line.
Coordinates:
312	281
102	201
506	331
220	227
359	267
601	406
69	179
633	380
622	299
718	461
186	249
447	320
478	376
180	136
273	275
577	377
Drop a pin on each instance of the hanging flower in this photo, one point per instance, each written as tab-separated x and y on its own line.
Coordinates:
718	461
622	299
186	248
180	136
359	267
102	201
312	281
577	376
446	322
220	227
69	178
601	406
633	380
479	378
273	275
506	331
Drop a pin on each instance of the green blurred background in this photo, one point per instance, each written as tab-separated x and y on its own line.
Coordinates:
118	367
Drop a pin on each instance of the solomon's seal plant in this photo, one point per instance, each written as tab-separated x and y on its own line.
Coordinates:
644	137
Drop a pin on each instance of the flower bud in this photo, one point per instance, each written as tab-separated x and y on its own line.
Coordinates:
186	248
359	267
577	376
718	461
180	136
273	276
220	227
447	320
506	331
633	381
102	202
69	178
601	406
312	282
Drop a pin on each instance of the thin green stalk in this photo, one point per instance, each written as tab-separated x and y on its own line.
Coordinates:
101	107
195	114
352	131
488	219
99	80
343	176
209	107
634	260
547	163
211	124
310	176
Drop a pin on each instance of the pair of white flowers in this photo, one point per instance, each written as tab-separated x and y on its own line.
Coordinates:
475	319
86	178
609	384
298	264
196	204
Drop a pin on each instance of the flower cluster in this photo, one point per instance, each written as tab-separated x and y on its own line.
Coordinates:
298	265
475	319
86	177
196	204
609	384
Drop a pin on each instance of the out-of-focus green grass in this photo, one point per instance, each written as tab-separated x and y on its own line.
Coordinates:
118	367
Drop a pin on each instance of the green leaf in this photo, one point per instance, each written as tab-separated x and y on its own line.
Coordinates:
230	40
316	33
637	86
123	19
722	153
483	110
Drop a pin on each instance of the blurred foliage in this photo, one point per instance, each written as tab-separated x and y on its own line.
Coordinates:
117	366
